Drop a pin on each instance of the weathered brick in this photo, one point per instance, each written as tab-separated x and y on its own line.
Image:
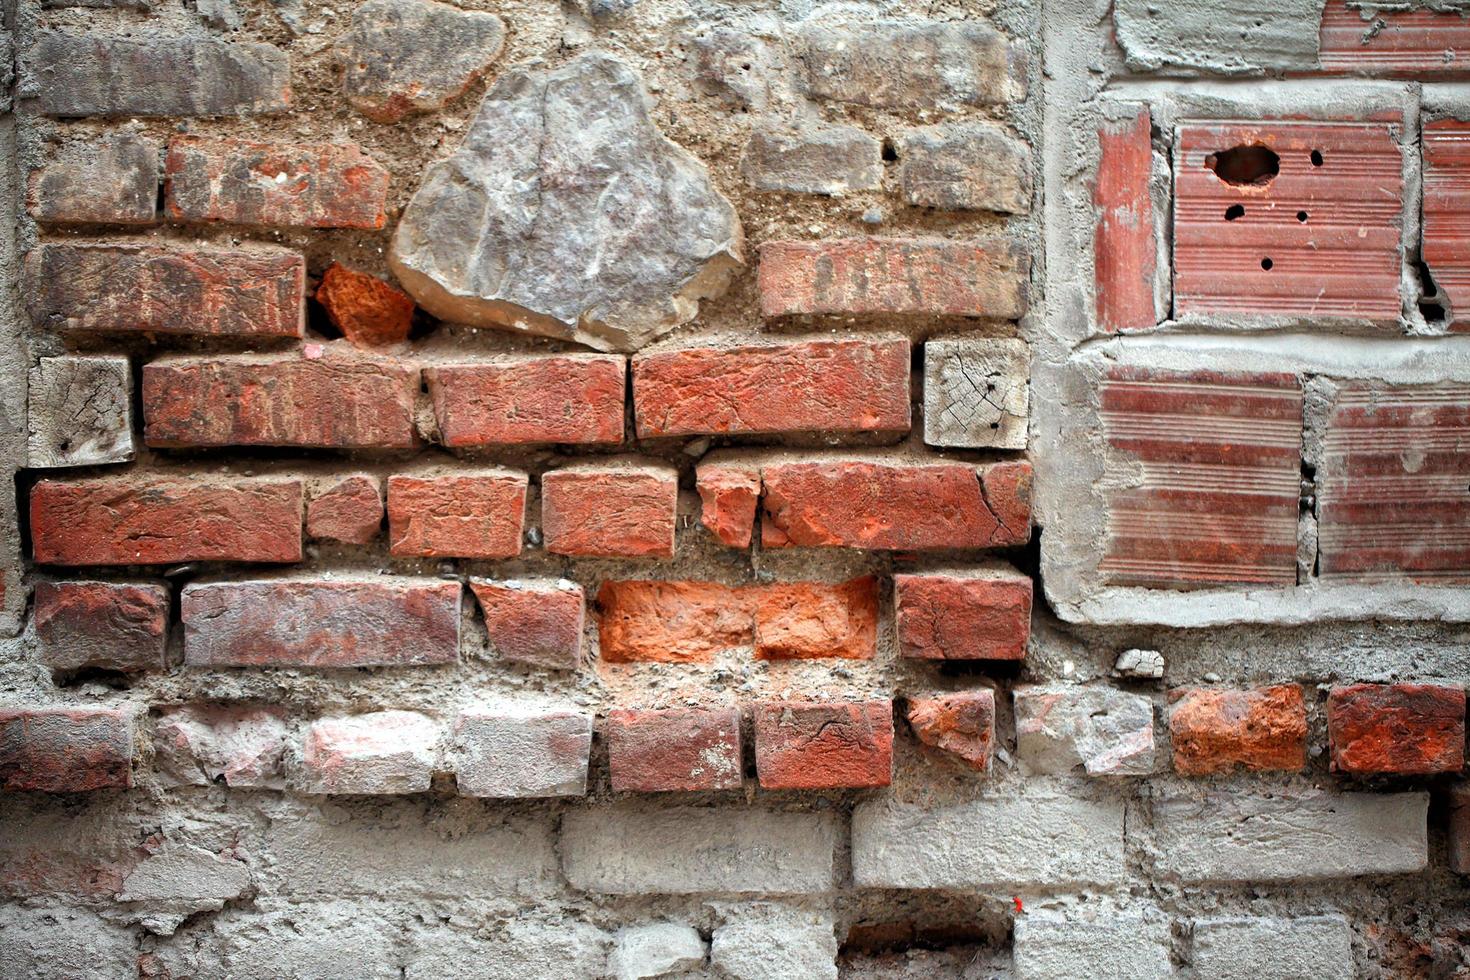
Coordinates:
763	941
1263	729
1125	255
1317	946
965	167
1400	729
977	392
330	624
655	949
100	75
1459	827
563	398
729	496
522	752
1399	42
368	311
374	753
65	750
675	749
894	277
962	724
288	185
620	508
899	506
796	386
834	745
79	412
1105	731
239	745
1444	206
349	510
478	514
538	623
106	625
169	289
809	620
972	615
111	180
159	521
1091	944
335	400
812	159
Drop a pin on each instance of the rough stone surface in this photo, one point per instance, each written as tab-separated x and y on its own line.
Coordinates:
533	622
1139	664
405	56
571	398
965	167
369	312
113	180
55	942
976	393
623	508
472	514
1105	731
103	625
675	749
599	258
1214	731
238	745
373	753
1095	944
655	950
1406	729
522	752
1318	946
824	746
1243	37
772	942
180	880
349	511
81	412
812	159
983	615
962	724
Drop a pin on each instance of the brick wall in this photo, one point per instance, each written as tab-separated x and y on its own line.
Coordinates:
624	488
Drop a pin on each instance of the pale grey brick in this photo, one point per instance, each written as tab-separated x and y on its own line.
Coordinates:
1099	729
965	167
41	944
812	159
771	942
1318	946
109	180
522	752
1092	944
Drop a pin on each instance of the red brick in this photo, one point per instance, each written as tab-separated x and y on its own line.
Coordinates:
564	398
1124	252
1459	828
168	289
895	505
973	615
895	277
824	746
809	620
962	724
1399	43
1263	729
729	496
327	624
310	399
349	510
538	623
368	311
801	386
616	509
674	750
104	625
1446	213
159	521
301	185
1396	729
470	515
65	750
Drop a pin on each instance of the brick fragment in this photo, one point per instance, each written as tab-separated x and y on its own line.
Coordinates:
1124	252
729	496
824	746
159	521
1262	730
674	750
810	620
286	185
610	509
981	615
811	159
104	625
111	180
977	392
239	745
893	277
965	167
522	752
65	750
170	289
1396	729
797	386
1105	731
333	400
79	412
1459	827
384	622
962	724
537	623
473	515
564	398
369	312
349	510
379	752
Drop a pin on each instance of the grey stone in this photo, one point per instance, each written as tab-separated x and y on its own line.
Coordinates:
606	8
1142	664
1245	36
98	75
64	944
630	849
111	180
965	167
1105	731
771	942
977	392
81	412
567	213
321	941
529	945
404	56
180	880
98	4
1096	942
812	159
220	14
895	64
741	64
1237	836
655	950
522	752
1318	946
1038	839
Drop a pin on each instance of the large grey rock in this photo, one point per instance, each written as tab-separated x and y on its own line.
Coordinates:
567	213
655	950
81	412
1098	942
1105	731
1317	946
1245	36
772	942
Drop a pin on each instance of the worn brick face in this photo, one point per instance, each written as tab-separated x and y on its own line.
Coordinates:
568	398
472	515
537	623
349	510
522	752
375	753
610	510
984	615
369	312
824	745
961	724
673	750
1397	729
106	625
113	180
65	750
241	745
729	496
1262	729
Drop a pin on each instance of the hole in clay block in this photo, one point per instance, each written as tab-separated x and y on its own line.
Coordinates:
1266	263
1301	216
1432	303
1316	158
1234	211
1245	166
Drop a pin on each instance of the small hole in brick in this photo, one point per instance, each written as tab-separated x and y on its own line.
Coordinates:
1245	165
1301	216
1316	158
1266	263
890	152
1234	211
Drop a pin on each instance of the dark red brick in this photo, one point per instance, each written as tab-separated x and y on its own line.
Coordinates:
565	398
349	510
613	509
65	750
104	625
368	311
729	496
533	622
1124	251
962	724
107	180
478	514
674	750
974	615
801	745
1396	729
1215	731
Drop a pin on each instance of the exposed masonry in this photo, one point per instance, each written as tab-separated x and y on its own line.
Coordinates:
970	492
